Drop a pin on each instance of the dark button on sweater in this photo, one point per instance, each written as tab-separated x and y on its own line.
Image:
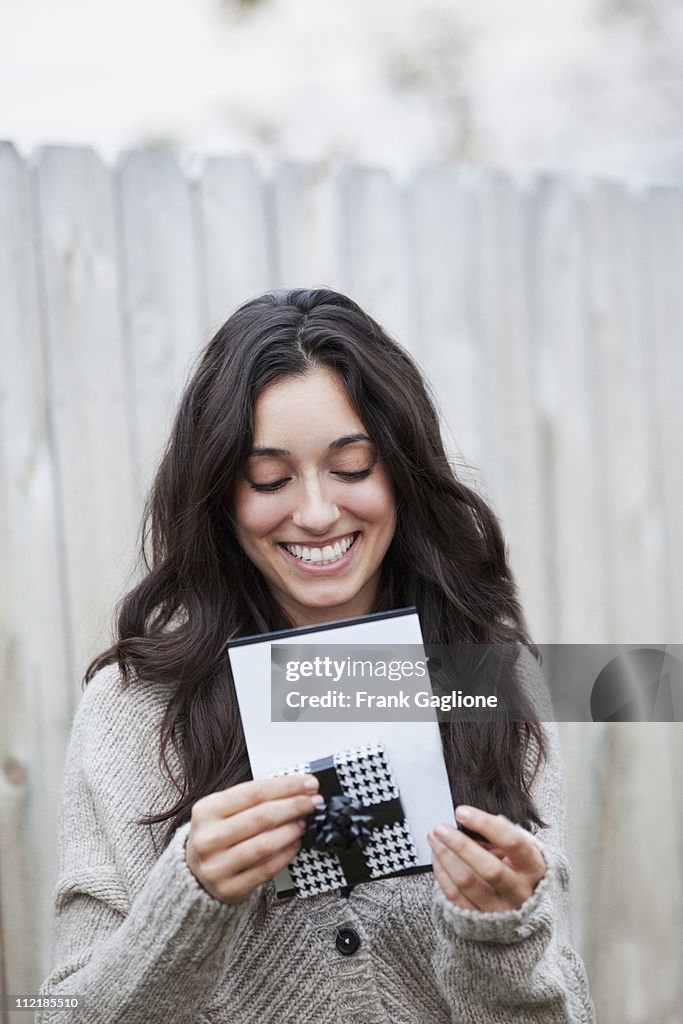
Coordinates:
347	941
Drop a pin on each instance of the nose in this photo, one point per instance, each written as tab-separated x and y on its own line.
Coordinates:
315	510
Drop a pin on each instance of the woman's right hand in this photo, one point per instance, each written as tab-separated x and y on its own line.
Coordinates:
242	836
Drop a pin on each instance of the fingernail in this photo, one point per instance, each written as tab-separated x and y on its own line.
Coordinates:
317	800
441	831
301	822
311	783
464	812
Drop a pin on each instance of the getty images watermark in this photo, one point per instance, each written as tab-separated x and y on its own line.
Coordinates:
407	682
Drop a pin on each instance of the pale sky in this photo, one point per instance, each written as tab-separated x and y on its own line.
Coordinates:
537	84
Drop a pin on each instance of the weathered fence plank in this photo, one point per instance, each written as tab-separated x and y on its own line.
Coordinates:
35	690
305	209
237	254
663	248
638	892
88	389
453	363
631	492
513	465
586	753
161	297
377	244
573	540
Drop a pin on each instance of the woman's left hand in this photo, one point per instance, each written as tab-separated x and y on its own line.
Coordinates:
476	878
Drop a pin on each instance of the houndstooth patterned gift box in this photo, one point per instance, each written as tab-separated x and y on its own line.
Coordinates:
371	812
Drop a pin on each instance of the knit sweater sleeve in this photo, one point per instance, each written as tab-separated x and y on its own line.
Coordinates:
494	967
153	955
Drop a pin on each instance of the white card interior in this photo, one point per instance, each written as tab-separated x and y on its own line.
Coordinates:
413	749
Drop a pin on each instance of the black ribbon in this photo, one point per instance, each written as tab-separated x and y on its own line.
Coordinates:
342	825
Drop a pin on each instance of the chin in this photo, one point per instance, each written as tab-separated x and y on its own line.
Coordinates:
324	602
329	602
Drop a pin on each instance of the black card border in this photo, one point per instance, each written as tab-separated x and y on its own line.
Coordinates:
321	627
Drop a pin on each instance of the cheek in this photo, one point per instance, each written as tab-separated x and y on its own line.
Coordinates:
376	503
257	515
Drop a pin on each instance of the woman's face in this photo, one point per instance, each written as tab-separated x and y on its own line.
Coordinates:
314	510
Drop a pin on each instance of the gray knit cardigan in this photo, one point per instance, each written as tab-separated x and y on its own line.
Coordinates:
140	940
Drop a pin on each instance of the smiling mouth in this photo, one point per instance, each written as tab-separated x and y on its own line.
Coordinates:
324	554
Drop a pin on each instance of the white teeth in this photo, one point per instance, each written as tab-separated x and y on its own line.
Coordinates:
325	555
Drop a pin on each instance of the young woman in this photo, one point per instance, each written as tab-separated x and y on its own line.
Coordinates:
304	481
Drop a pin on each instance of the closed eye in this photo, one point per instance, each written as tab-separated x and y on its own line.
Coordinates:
359	475
277	484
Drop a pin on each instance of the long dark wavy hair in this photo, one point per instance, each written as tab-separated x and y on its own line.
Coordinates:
447	557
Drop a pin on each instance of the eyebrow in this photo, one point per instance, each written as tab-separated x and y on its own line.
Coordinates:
341	442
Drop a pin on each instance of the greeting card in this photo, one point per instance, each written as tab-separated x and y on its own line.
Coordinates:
392	772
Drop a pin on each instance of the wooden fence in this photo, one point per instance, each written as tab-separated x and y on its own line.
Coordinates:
547	317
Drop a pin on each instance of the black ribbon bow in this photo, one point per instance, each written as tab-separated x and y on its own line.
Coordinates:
343	826
340	824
